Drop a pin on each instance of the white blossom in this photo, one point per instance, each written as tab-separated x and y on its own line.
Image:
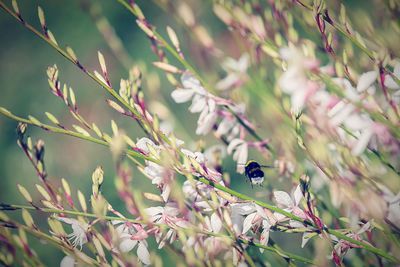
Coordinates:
67	261
366	81
79	229
202	102
289	203
144	143
130	236
240	154
294	80
236	72
159	176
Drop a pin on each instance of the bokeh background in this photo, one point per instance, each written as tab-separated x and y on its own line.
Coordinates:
24	90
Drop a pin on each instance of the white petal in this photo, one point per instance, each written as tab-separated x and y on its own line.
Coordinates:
248	222
211	105
143	144
243	62
127	245
282	198
306	237
396	70
154	211
240	156
216	223
394	213
67	261
198	104
296	224
391	83
298	100
366	80
261	212
189	81
233	144
227	82
182	95
166	192
205	126
279	217
362	142
357	122
298	195
342	115
243	208
143	254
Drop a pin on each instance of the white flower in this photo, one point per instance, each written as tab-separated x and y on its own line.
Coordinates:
366	81
241	152
67	261
208	118
238	214
144	143
236	72
229	124
213	223
294	80
166	215
389	81
78	236
288	203
346	114
264	237
192	87
202	101
160	177
247	215
132	235
198	156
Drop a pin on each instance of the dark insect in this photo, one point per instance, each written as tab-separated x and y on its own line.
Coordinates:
254	173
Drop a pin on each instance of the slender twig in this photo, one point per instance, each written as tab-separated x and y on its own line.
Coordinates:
115	218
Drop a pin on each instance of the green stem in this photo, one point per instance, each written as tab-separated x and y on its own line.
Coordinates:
114	218
132	153
71	133
210	183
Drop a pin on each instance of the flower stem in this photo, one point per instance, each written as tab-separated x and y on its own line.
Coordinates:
274	249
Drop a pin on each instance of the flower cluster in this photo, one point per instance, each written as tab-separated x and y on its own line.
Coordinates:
320	115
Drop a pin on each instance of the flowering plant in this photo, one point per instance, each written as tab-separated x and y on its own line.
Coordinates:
325	124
